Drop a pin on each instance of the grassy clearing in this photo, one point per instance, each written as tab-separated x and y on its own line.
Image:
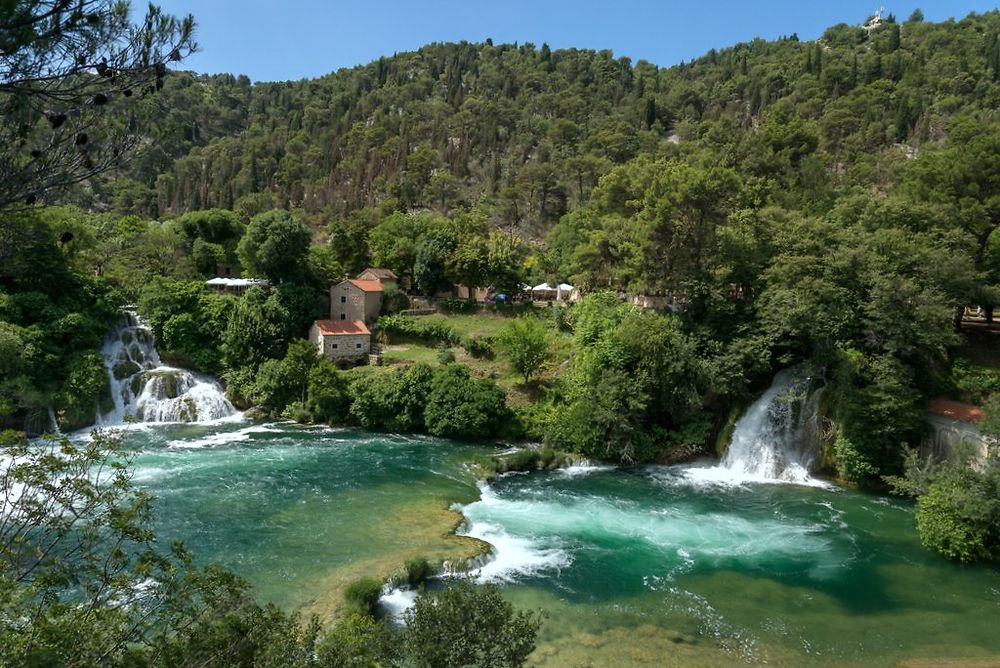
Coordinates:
482	325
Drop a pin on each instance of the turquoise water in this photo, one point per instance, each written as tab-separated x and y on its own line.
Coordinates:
646	566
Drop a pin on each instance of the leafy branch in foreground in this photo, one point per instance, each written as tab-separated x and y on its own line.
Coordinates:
64	67
83	581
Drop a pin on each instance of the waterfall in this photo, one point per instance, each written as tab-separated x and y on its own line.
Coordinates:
53	422
143	387
776	439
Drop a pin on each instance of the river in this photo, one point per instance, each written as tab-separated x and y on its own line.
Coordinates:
632	566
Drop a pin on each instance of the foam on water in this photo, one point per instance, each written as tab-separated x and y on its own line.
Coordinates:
395	601
539	527
224	437
144	388
512	555
584	469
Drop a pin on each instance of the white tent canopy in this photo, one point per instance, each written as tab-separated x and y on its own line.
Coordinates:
542	287
566	287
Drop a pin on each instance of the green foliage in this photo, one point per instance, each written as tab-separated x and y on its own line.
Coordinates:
991	417
394	300
959	516
879	410
278	383
445	355
275	246
53	316
328	396
418	570
458	305
972	382
187	321
362	596
392	401
851	464
463	625
460	406
432	253
525	343
417	328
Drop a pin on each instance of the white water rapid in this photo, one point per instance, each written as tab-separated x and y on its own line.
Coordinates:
143	387
776	440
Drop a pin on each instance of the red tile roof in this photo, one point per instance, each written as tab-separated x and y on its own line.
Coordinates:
367	286
955	410
341	327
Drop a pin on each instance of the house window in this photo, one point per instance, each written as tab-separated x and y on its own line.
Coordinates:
343	316
333	345
357	345
343	299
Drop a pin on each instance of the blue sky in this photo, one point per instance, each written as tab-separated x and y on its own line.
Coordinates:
294	39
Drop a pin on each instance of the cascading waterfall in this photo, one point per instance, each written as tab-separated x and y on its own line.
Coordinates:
143	387
776	439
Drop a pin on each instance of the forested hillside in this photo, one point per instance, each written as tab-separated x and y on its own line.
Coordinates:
531	129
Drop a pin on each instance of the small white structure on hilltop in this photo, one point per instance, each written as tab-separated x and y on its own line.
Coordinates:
234	286
875	21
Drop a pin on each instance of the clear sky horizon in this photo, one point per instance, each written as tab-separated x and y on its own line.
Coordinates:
298	39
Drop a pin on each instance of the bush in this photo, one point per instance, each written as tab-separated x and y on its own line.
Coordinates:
394	300
415	328
445	355
851	464
418	570
481	347
525	343
458	305
530	459
467	626
362	596
392	401
959	516
328	395
460	406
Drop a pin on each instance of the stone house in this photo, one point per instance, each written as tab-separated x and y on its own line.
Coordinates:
341	340
385	277
355	299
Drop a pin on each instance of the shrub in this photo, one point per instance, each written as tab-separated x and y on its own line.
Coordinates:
458	305
480	347
530	459
394	300
362	596
415	328
460	406
418	570
959	516
467	626
328	396
525	342
851	464
445	355
392	401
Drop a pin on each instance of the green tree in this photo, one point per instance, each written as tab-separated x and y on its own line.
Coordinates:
430	262
58	127
275	246
525	342
459	406
467	626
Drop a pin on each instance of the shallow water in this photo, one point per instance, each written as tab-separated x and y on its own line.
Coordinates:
646	566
